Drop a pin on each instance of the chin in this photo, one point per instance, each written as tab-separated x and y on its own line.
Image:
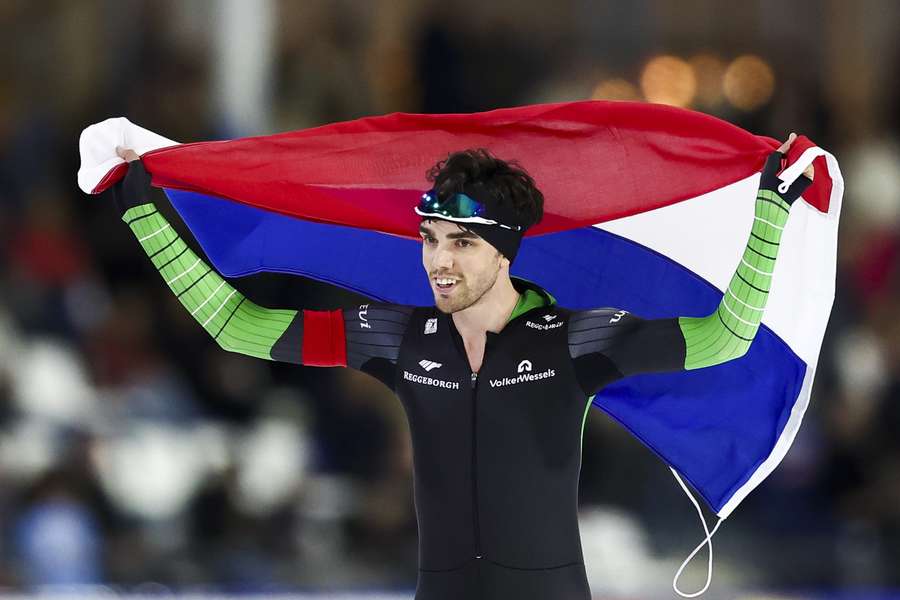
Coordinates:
444	306
441	306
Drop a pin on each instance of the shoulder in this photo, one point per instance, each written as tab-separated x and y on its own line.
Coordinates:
599	318
380	316
375	332
598	329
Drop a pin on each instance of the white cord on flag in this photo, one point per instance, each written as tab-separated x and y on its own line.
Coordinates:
706	540
790	174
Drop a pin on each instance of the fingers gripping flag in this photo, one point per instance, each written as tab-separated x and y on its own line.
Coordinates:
647	208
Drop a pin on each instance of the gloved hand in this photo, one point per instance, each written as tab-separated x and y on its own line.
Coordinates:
133	189
769	180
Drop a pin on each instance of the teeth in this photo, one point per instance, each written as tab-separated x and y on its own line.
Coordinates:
445	281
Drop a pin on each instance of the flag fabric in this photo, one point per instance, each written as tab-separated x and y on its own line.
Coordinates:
647	208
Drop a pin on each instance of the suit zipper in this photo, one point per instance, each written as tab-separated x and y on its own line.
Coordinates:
475	465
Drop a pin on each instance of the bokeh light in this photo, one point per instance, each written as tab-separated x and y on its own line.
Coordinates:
749	82
709	69
669	80
138	458
616	89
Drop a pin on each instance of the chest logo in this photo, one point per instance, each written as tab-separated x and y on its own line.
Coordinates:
544	326
426	380
428	365
549	318
430	326
525	375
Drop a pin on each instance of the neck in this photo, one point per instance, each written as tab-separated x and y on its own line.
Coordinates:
492	310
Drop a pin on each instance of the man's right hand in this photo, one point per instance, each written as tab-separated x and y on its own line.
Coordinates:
127	153
133	189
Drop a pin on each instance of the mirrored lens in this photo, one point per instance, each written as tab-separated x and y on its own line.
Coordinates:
458	205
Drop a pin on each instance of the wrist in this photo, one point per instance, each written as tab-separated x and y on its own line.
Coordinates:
134	189
770	181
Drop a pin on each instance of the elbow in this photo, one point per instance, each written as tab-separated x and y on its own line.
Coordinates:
225	344
230	344
739	351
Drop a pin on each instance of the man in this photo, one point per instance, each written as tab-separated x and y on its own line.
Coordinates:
495	378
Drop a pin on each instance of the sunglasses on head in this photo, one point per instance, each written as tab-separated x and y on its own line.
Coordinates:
458	207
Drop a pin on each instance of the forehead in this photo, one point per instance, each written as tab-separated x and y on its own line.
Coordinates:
439	227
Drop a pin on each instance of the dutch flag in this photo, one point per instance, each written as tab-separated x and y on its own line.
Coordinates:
647	208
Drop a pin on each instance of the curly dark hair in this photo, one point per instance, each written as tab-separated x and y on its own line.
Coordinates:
507	182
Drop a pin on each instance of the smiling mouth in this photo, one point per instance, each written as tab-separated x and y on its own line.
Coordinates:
445	289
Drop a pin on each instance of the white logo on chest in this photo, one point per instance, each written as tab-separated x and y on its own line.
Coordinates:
428	365
524	370
430	326
544	326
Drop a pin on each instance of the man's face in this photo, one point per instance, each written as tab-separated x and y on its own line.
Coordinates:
448	251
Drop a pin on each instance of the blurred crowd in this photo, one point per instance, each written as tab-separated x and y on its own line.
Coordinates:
134	452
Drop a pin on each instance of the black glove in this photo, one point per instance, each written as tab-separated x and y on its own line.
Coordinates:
769	180
133	189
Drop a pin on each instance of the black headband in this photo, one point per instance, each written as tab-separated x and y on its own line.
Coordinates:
506	241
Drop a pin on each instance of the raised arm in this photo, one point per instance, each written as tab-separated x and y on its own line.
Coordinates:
609	343
727	333
300	336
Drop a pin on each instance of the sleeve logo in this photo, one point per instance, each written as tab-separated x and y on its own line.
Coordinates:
363	322
615	318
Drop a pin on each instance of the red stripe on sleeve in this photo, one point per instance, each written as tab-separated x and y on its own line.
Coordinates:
324	339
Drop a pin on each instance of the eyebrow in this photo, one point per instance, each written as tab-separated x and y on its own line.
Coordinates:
451	236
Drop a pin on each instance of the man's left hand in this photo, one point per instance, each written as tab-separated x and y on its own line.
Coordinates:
809	171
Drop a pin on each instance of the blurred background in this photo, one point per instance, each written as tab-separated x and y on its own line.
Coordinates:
136	456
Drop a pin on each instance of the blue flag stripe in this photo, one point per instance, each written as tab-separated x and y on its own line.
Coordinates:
716	440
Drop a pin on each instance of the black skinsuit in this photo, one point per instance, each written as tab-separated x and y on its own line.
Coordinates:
496	460
497	457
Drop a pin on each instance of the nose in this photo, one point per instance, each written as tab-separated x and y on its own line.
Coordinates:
442	259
